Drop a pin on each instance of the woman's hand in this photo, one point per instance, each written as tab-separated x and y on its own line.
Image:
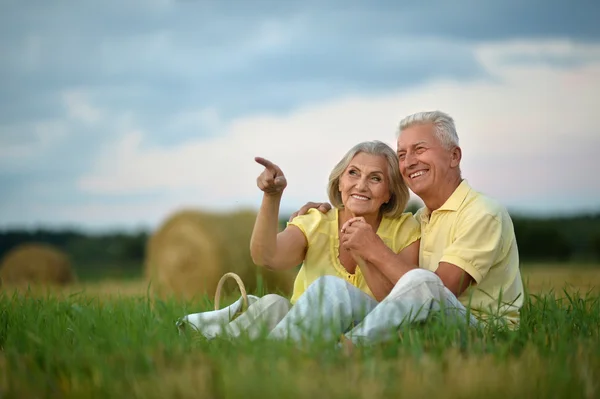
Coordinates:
271	181
359	237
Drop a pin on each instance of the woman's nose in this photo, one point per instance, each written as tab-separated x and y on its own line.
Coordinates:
361	184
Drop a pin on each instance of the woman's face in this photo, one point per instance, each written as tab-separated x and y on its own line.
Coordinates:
365	184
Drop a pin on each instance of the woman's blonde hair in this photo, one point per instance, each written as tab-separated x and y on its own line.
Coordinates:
399	194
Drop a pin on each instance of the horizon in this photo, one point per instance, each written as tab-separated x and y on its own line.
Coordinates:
141	228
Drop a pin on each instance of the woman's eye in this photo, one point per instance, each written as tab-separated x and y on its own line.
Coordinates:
352	172
376	178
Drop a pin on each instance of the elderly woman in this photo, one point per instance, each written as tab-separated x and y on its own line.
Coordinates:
366	187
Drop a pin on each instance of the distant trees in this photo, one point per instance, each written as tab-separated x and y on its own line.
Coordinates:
558	239
413	206
92	254
596	245
539	240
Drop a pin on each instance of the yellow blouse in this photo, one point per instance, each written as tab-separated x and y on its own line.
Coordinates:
321	231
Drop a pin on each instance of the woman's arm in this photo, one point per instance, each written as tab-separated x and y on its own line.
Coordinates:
273	250
268	248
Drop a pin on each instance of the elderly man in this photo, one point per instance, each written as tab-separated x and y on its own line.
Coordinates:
468	252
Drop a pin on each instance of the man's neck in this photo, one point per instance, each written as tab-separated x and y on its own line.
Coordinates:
441	195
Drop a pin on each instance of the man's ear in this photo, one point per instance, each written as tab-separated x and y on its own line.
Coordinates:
456	156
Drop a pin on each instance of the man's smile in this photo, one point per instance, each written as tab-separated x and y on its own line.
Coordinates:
416	174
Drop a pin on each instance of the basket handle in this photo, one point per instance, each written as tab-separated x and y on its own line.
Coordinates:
240	285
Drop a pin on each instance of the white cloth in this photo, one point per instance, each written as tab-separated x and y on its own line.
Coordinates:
331	307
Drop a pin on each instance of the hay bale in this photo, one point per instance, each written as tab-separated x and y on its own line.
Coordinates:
36	263
187	255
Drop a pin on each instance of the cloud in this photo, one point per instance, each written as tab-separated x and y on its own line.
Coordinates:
79	109
97	96
21	144
40	160
526	137
166	55
557	54
38	142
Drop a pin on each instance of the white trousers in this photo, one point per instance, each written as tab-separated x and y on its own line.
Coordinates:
262	315
331	306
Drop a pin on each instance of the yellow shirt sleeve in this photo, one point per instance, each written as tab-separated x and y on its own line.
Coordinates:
308	222
477	242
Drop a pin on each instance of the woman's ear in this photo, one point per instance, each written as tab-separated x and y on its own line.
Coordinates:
389	198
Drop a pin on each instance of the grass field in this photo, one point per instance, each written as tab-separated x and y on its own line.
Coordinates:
110	339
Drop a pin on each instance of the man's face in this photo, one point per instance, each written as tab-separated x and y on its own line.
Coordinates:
424	163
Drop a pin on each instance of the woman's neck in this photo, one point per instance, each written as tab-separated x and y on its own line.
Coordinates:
373	219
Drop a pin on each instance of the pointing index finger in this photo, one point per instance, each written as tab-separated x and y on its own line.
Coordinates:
267	164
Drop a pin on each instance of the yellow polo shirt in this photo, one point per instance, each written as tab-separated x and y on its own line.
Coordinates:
476	234
321	231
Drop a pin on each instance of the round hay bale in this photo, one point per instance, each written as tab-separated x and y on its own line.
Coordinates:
191	250
36	263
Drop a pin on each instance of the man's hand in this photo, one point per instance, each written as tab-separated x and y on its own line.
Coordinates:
358	236
321	206
271	181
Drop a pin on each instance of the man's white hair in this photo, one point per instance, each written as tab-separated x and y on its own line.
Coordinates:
444	126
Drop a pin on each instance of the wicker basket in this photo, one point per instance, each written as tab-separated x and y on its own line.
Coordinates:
241	286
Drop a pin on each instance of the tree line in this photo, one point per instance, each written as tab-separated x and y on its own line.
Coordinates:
556	240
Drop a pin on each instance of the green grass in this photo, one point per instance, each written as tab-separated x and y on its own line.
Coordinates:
84	346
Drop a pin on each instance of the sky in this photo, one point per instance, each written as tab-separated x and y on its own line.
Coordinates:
115	114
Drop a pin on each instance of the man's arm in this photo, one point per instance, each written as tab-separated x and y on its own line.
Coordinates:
454	278
382	275
378	283
358	236
394	266
476	246
465	262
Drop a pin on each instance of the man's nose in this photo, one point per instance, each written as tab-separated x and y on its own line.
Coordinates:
410	160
